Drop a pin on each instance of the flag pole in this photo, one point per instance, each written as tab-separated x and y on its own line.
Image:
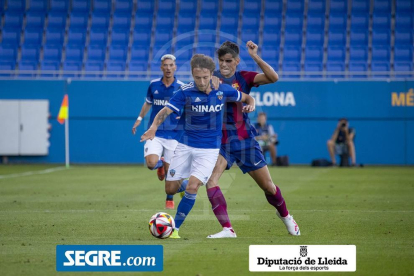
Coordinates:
67	142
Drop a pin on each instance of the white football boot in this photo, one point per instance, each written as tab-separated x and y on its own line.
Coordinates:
225	233
290	224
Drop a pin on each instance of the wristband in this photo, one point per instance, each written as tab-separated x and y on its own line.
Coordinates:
139	118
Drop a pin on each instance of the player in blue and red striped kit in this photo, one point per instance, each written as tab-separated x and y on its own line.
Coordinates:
238	143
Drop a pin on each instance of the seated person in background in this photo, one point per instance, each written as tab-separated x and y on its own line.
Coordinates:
342	141
266	136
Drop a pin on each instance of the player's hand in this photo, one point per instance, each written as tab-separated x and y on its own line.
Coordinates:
252	48
248	108
216	82
134	128
148	135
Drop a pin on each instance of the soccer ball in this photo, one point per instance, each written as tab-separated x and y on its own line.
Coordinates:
161	225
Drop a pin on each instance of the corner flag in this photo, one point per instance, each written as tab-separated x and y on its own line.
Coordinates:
63	112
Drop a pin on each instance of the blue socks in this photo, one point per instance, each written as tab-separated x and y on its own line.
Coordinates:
159	164
170	197
183	186
184	208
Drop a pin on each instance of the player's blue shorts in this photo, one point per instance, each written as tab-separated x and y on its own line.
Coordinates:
246	153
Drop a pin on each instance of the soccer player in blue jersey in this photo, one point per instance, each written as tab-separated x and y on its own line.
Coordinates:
159	93
238	143
198	149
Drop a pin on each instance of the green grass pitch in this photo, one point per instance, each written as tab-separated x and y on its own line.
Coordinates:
372	207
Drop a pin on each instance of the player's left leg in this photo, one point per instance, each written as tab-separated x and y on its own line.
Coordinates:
351	149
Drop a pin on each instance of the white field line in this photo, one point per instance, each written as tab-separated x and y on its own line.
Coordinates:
14	175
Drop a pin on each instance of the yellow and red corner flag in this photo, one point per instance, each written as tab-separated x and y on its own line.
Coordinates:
63	112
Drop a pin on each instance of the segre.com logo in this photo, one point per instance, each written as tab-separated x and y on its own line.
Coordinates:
109	258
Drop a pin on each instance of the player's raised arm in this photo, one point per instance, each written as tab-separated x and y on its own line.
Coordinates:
269	75
250	104
144	110
158	120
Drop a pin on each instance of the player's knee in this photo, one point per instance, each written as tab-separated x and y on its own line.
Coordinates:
269	188
330	143
151	164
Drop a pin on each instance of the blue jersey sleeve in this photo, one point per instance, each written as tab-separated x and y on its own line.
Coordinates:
232	94
177	102
149	97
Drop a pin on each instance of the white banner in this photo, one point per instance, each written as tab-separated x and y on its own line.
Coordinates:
310	258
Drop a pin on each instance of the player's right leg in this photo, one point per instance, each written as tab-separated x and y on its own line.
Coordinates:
331	150
152	152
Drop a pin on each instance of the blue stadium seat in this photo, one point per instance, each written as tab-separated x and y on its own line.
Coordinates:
274	6
381	21
403	69
11	36
296	6
360	6
314	54
29	53
139	54
35	19
337	37
137	69
293	68
78	20
227	34
358	53
338	6
208	51
122	21
59	5
357	69
404	20
102	5
316	6
76	36
52	53
293	37
57	20
248	65
404	5
163	36
294	21
143	21
1	6
16	5
272	21
124	6
403	37
74	53
210	6
315	37
98	36
312	69
115	69
188	6
403	53
207	21
186	21
292	54
335	69
33	36
184	39
380	53
69	67
100	20
229	21
183	55
251	21
206	39
159	50
145	6
7	66
81	6
183	69
270	54
37	5
13	19
141	38
381	37
55	36
337	21
382	6
359	21
166	6
165	20
271	37
230	6
25	66
93	69
252	35
316	21
119	37
359	37
382	67
96	53
253	6
49	69
336	54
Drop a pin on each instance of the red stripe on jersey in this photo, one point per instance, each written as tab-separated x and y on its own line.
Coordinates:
239	121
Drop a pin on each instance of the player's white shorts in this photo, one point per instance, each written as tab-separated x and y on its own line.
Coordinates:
192	161
160	146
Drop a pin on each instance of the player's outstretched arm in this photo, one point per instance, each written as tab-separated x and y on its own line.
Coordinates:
269	74
158	120
250	103
144	110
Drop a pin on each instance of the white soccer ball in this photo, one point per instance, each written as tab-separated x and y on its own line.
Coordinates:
161	225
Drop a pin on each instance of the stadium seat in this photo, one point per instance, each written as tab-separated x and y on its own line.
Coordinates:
316	21
274	6
78	20
404	5
119	37
93	69
166	6
294	21
403	69
183	55
16	5
252	6
337	37
296	6
141	38
184	38
227	34
207	21
359	37
99	20
271	37
403	37
49	69
382	67
7	66
188	6
35	19
339	6
381	37
12	19
124	6
186	21
115	69
98	36
29	53
122	20
25	66
102	5
248	65
336	54
37	5
74	53
59	5
316	6
230	6
403	53
163	36
56	20
52	53
360	6
382	6
76	36
337	21
404	20
248	34
96	53
291	70
292	54
155	71
145	6
357	69
251	21
358	53
11	36
55	36
359	21
208	51
270	54
229	21
209	6
165	21
315	37
313	69
143	21
159	50
81	6
137	69
335	69
139	54
381	21
206	38
293	37
380	53
314	54
272	21
33	36
70	67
